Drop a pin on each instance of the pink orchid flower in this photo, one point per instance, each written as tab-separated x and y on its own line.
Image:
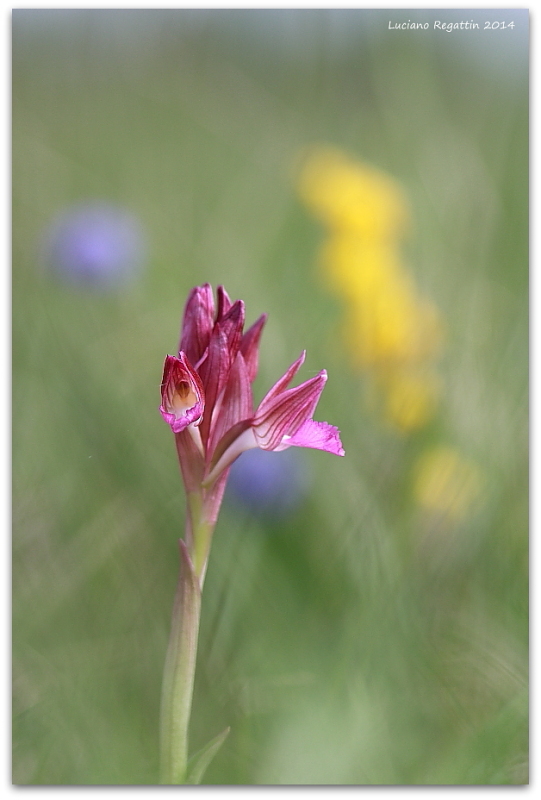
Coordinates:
207	396
207	400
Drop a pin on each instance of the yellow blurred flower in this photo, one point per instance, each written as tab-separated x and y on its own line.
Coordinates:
392	333
347	195
357	267
446	483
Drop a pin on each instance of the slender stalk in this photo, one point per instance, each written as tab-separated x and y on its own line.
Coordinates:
179	673
200	531
201	552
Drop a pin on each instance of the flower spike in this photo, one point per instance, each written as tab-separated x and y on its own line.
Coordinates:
209	385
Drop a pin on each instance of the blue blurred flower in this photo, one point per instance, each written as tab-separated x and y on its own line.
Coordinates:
268	484
97	244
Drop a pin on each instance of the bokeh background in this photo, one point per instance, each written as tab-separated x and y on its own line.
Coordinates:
365	619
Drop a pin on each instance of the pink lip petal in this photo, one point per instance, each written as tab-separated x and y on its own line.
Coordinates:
319	435
180	411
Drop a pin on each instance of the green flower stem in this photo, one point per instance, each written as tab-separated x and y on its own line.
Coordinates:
198	535
201	551
179	673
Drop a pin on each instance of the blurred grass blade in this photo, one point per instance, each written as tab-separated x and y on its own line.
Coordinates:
199	762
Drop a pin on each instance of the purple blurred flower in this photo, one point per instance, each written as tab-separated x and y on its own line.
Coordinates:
97	244
268	484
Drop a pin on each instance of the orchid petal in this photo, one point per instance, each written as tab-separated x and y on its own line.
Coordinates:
232	324
183	395
283	382
284	414
249	346
222	350
281	421
236	403
319	435
198	322
214	372
224	303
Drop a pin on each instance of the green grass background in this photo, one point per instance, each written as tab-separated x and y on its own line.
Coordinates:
338	648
